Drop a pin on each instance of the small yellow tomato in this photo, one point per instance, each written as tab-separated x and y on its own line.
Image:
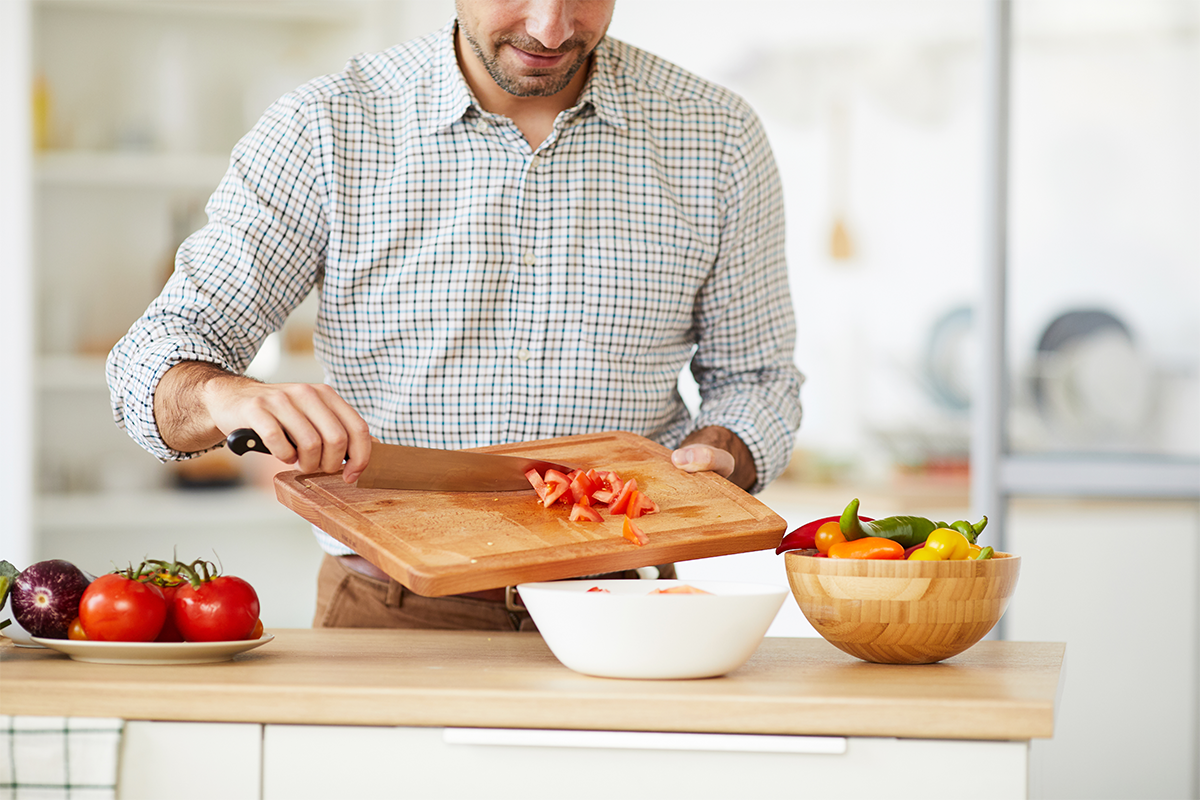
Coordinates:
828	535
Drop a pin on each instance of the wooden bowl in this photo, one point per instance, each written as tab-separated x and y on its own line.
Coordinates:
902	612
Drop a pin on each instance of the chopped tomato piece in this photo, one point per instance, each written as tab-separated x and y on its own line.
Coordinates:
620	503
603	496
598	589
582	486
633	533
539	485
609	481
648	505
682	588
581	512
633	507
558	484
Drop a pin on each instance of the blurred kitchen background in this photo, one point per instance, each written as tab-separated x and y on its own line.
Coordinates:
1066	407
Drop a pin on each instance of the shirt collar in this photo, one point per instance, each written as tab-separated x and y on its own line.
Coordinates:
448	89
601	90
452	98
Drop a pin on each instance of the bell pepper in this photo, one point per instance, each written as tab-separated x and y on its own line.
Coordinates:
868	547
906	530
943	544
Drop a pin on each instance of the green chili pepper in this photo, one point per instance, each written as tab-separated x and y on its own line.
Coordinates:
908	531
984	554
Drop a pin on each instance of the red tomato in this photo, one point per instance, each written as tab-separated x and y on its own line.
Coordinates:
224	609
115	608
170	631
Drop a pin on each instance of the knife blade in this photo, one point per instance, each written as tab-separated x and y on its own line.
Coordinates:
395	466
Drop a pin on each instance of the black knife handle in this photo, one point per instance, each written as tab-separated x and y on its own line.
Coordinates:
243	440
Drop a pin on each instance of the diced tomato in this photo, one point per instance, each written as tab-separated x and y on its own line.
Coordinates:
603	496
620	503
633	533
581	512
598	589
648	505
539	485
609	481
682	588
558	484
582	486
633	507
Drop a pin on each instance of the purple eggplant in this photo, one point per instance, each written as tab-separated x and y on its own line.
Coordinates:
45	597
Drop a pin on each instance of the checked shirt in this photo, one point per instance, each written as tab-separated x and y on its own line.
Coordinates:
475	291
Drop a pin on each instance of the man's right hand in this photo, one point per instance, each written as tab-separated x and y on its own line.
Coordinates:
309	425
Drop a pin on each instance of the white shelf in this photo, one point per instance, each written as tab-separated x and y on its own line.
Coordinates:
130	170
1148	477
167	508
344	12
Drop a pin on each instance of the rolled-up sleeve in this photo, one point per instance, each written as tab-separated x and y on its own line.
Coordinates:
236	279
745	360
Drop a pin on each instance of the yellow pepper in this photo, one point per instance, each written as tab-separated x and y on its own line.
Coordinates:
944	544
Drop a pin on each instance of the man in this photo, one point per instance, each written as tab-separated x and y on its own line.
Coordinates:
519	229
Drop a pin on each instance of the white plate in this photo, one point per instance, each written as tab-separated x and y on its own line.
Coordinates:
152	652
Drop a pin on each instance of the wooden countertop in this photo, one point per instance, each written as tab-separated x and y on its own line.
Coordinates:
995	690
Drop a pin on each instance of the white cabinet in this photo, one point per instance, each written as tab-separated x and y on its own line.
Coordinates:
319	761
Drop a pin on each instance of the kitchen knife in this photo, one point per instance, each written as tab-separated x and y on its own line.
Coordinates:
394	466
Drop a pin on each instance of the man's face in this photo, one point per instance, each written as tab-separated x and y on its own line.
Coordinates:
532	48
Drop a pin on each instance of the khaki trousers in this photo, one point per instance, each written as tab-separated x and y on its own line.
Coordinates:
347	598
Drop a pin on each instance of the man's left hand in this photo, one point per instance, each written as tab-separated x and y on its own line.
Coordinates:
715	449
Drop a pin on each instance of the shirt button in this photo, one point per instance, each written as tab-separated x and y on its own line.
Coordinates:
529	259
481	126
533	162
524	354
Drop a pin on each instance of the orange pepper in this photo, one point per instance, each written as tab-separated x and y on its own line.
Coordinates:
868	547
828	535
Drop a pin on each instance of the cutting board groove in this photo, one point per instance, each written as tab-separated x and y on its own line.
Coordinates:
440	543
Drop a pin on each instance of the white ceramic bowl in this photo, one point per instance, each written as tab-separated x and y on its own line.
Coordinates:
629	632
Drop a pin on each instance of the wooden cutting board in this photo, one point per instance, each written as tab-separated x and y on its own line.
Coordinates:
440	543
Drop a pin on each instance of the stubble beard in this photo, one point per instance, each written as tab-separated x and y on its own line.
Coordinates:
536	83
